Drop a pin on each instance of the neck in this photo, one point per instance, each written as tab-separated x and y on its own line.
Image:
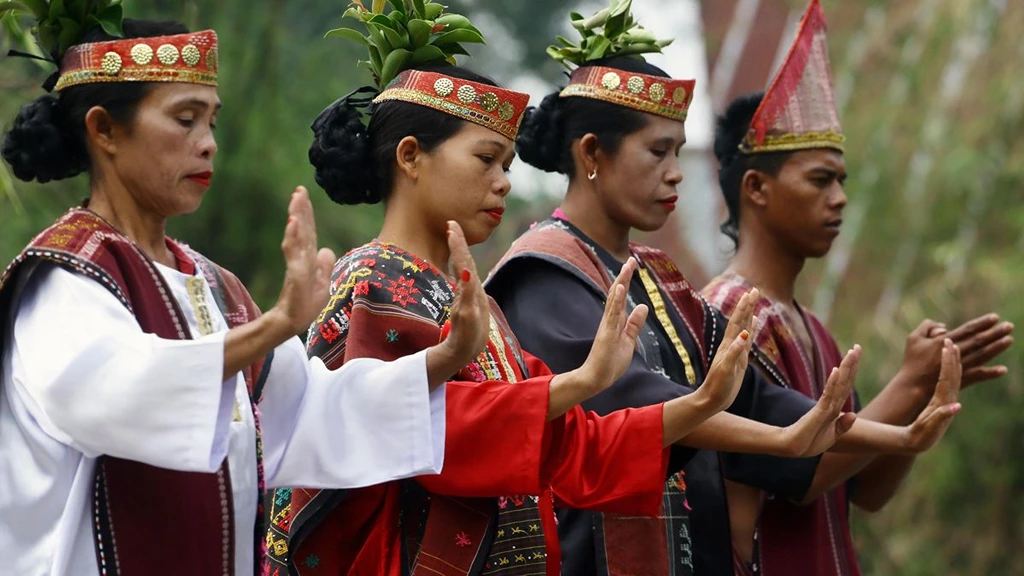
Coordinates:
112	202
582	208
405	226
766	264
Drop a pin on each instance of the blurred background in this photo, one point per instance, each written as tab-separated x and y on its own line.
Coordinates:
931	96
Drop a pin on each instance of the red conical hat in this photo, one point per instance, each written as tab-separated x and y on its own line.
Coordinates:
799	108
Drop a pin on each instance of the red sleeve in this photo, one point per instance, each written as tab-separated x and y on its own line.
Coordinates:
615	463
495	440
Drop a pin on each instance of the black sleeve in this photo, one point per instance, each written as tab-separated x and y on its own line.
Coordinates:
764	401
555	316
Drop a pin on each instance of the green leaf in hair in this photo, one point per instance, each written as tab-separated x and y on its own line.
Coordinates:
401	34
611	31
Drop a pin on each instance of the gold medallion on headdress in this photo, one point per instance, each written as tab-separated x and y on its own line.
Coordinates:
798	111
403	38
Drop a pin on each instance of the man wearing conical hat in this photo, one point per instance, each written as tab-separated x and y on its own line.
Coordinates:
782	174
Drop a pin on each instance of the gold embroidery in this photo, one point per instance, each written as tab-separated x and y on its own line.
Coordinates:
499	345
666	321
196	288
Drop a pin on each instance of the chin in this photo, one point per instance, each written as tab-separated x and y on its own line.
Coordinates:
650	223
477	235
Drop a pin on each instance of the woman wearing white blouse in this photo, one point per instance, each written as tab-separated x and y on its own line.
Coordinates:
145	402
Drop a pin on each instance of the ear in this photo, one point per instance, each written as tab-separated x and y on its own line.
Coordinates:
408	155
589	148
101	129
754	187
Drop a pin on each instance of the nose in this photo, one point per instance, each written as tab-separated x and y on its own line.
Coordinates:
208	145
838	199
674	175
502	186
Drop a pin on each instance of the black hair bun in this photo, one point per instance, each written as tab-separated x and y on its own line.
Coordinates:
340	153
38	147
540	142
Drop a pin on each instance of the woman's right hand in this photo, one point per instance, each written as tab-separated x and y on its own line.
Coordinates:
818	429
470	319
725	377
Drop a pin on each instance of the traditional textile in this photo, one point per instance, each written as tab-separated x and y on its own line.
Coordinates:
188	58
385	301
169	469
812	539
554	270
496	108
124	489
652	94
798	111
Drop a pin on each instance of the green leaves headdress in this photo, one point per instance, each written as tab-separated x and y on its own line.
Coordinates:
404	34
61	24
608	33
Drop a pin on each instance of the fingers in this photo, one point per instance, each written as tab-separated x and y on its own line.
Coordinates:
972	327
742	315
983	347
462	259
840	383
614	311
626	273
930	328
982	374
615	306
948	388
737	352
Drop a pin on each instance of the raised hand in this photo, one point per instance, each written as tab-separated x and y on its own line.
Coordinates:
980	341
470	318
725	377
935	419
308	269
818	430
613	346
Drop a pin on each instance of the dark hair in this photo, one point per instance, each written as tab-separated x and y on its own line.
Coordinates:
548	131
730	129
355	164
47	139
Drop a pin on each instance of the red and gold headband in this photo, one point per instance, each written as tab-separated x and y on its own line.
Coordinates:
188	58
652	94
496	108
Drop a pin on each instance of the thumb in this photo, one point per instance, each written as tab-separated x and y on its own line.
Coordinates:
325	260
635	322
845	422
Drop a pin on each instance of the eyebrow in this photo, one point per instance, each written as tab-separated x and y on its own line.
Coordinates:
197	103
826	171
497	144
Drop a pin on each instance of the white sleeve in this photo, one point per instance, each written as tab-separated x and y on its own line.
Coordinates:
95	382
366	423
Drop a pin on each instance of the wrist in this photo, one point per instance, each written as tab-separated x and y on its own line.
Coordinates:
442	361
277	326
916	386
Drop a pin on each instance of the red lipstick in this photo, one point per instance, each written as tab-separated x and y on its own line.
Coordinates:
495	213
201	178
669	203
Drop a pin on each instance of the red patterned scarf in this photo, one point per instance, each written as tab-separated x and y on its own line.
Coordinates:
157	513
813	539
387	303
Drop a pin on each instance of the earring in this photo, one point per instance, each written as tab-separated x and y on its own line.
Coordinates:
593	175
